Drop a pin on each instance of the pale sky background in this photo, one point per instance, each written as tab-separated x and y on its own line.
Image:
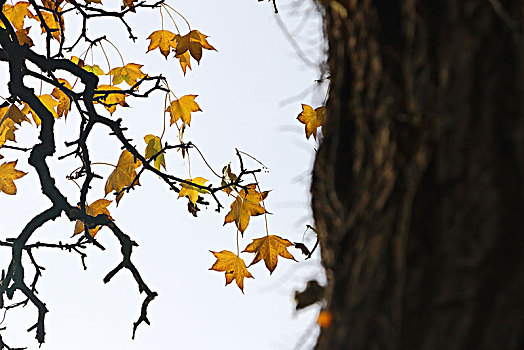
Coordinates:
246	91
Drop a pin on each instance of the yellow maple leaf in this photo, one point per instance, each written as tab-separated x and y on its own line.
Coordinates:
96	208
48	101
130	73
313	118
95	69
182	108
163	39
10	116
64	102
269	248
184	61
194	42
111	100
246	204
23	37
16	14
154	145
8	174
191	191
50	19
123	175
234	267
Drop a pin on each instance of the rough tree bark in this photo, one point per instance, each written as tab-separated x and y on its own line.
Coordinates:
418	184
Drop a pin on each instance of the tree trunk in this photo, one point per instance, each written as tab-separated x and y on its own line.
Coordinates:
418	183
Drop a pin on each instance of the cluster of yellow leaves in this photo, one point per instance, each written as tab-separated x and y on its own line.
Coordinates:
190	44
17	13
96	208
267	248
123	175
313	118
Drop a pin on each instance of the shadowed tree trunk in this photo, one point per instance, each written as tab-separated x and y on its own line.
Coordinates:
418	184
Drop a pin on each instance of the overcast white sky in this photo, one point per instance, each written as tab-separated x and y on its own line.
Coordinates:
246	93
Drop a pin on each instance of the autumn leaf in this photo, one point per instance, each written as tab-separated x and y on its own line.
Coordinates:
154	145
123	175
182	108
95	69
163	39
10	117
64	102
246	204
23	38
194	42
191	191
269	248
324	319
51	20
130	73
128	3
313	118
96	208
184	61
228	177
51	4
8	174
234	267
78	61
48	101
16	14
111	100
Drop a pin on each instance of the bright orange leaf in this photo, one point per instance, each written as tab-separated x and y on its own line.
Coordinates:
182	108
130	73
163	39
111	100
269	248
234	267
123	175
96	208
8	174
154	145
324	319
194	42
48	101
246	204
313	118
191	191
64	101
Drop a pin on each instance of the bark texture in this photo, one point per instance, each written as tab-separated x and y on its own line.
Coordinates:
417	188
